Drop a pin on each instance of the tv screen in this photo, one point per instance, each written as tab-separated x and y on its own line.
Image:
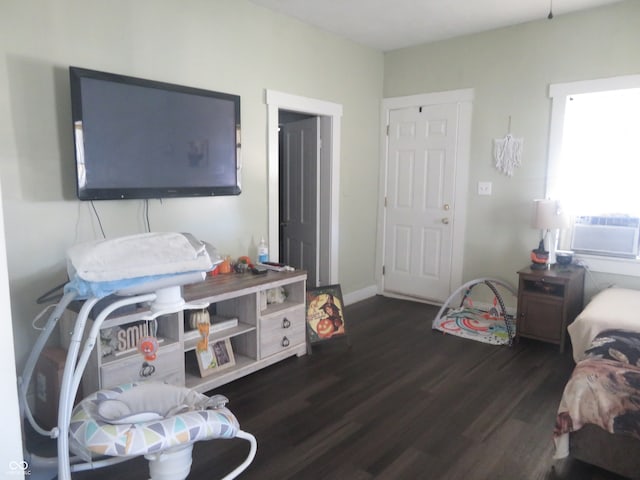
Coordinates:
137	138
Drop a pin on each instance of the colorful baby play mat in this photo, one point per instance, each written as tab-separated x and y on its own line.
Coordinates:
474	324
489	325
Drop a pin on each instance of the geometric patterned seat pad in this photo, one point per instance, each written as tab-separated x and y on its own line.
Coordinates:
89	434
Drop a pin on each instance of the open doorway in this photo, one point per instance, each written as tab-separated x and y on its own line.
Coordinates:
288	109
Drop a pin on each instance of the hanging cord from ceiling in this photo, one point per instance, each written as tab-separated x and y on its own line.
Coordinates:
550	16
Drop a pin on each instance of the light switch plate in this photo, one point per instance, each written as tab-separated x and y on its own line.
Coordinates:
484	188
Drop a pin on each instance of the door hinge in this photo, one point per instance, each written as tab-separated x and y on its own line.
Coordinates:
383	270
387	130
385	202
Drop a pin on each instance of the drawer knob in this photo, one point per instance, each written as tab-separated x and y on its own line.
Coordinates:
285	342
286	323
147	370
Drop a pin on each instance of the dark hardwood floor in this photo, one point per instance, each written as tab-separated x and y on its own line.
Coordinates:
403	402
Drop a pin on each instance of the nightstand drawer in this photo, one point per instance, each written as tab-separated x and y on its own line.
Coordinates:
544	286
167	367
280	332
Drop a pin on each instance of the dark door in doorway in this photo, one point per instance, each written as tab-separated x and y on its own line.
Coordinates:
299	160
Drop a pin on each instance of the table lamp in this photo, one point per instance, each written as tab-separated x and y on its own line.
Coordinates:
548	217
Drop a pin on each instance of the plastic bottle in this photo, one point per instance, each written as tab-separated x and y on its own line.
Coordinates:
263	251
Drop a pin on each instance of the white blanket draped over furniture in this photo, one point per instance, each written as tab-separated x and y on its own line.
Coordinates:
613	308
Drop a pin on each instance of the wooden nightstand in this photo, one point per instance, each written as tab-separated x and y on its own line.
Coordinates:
548	301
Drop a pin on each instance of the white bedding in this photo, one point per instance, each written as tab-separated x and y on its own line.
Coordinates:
611	308
140	255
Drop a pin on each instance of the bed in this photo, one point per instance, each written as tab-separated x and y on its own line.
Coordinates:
598	418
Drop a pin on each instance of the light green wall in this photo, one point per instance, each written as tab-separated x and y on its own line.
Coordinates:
511	70
226	45
235	46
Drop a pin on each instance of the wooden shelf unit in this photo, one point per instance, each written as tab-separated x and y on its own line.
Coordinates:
265	333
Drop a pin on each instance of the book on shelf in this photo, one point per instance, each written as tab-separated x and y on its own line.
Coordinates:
218	323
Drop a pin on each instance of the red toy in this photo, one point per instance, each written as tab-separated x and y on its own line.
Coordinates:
148	346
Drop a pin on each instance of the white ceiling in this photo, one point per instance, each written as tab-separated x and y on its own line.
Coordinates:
390	24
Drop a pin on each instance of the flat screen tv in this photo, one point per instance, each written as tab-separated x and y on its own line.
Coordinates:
137	138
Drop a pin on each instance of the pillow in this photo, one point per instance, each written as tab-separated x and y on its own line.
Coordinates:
118	413
154	401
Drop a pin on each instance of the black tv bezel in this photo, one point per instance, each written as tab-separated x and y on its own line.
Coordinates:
88	193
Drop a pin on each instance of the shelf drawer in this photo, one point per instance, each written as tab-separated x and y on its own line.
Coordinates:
167	367
282	331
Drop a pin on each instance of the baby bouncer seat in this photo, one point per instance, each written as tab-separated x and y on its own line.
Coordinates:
158	421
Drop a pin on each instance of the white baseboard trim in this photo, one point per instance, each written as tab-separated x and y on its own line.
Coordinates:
361	294
372	291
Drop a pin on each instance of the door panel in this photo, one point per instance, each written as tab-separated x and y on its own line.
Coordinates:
299	196
419	206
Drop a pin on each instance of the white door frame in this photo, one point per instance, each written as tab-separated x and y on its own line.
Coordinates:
11	441
330	122
464	99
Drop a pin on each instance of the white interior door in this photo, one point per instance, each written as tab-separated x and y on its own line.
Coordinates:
299	196
420	201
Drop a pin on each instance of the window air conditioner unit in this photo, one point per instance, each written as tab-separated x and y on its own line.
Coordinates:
609	235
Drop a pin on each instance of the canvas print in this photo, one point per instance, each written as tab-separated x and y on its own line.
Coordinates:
325	317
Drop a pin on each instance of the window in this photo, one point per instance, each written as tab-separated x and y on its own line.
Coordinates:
594	146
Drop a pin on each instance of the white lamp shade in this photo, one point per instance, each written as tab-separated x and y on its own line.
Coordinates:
548	215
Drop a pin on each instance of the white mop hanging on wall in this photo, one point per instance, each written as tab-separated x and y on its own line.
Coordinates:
507	152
